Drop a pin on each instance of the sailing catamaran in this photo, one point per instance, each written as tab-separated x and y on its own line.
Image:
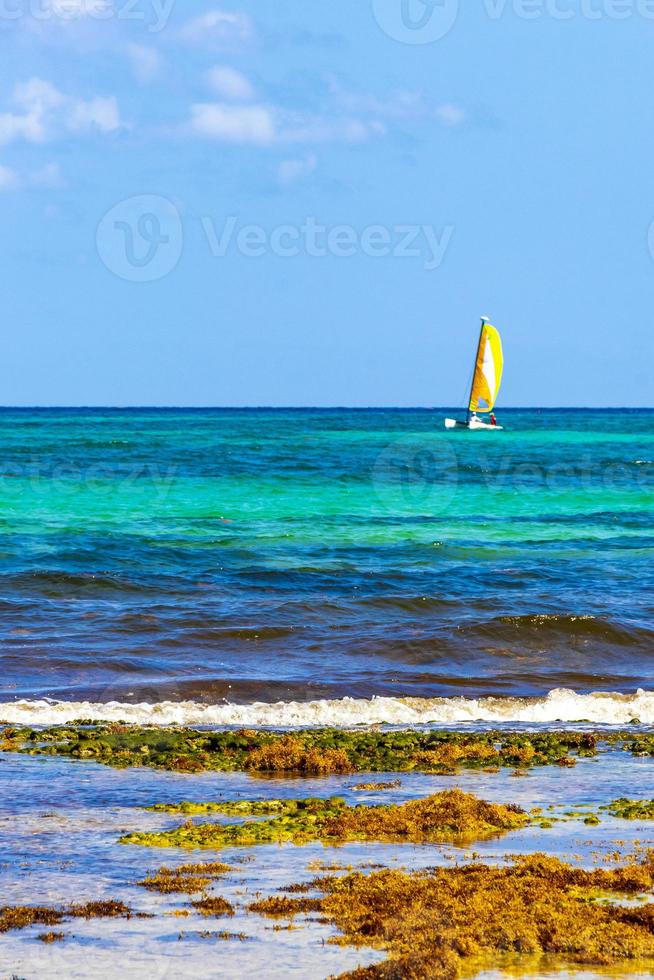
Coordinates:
486	381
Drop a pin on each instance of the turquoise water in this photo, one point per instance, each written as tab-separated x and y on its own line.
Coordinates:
295	568
214	557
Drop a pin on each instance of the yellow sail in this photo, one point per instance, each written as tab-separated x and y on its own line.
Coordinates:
488	371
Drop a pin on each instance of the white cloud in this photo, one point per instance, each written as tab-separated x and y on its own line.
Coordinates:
347	117
399	106
300	127
46	177
450	115
230	84
146	62
44	113
37	95
219	29
13	127
35	100
291	170
265	125
234	124
8	178
99	114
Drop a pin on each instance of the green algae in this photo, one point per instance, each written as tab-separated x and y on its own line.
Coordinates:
631	809
295	820
376	787
449	815
304	753
234	808
641	744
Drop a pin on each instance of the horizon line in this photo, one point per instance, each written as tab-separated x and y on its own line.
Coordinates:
319	408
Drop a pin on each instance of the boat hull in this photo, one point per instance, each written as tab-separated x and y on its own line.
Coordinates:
472	426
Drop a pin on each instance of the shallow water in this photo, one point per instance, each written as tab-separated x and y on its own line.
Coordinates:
60	821
232	557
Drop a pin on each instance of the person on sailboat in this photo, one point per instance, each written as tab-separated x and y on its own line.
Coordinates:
486	381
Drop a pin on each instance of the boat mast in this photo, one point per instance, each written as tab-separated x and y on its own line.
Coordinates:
484	321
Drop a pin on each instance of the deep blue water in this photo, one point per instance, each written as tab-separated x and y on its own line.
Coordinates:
291	554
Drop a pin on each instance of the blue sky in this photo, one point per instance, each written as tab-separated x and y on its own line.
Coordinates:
284	203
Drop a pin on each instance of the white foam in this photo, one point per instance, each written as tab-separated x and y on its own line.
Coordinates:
560	705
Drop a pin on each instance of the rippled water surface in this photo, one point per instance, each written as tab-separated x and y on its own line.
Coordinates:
219	556
62	847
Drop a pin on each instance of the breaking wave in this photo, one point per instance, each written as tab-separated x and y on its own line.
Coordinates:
559	706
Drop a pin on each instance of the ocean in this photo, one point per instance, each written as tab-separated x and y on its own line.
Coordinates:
299	567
